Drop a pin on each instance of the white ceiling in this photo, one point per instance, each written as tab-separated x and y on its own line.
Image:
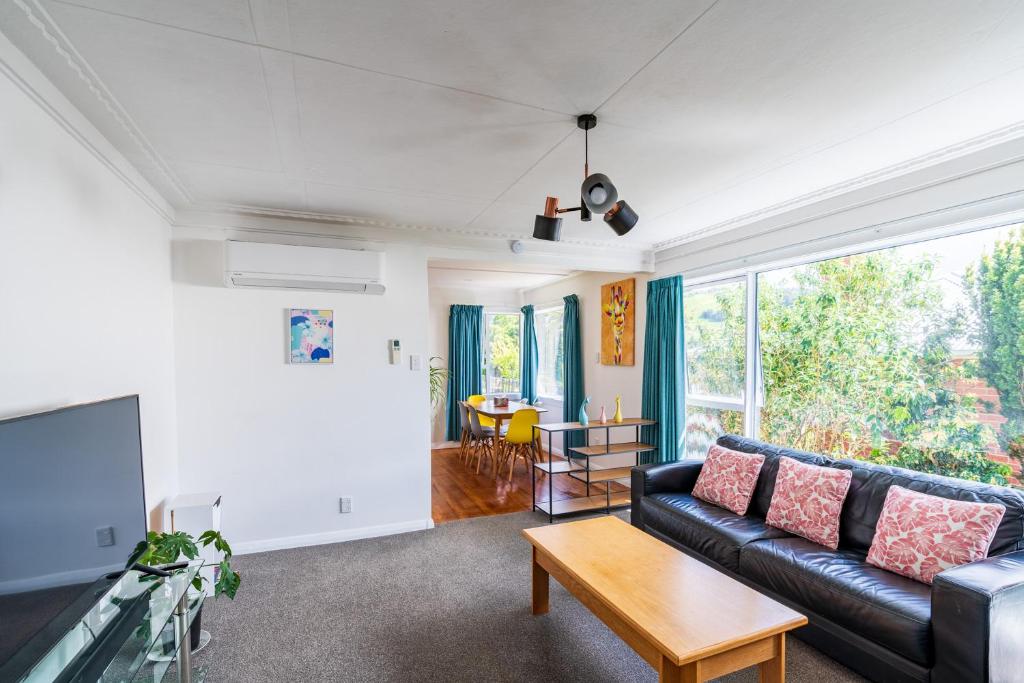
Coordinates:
460	274
461	115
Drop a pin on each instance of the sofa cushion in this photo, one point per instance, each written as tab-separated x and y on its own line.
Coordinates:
919	535
839	585
762	499
711	531
728	478
808	500
871	484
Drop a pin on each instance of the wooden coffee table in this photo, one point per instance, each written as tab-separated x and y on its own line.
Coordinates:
689	621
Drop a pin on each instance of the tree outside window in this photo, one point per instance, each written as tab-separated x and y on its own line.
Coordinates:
910	356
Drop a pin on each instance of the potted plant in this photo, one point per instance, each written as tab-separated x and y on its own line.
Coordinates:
162	548
438	380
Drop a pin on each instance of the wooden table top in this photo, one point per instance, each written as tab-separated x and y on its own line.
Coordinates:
688	610
490	410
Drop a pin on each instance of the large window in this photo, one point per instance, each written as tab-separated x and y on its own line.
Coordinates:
501	353
715	338
911	356
548	323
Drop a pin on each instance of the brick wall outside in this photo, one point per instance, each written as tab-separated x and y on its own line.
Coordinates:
989	412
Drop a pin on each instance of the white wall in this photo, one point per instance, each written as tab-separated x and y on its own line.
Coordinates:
600	382
85	288
282	443
441	300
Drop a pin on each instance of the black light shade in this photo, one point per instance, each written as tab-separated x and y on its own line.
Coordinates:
546	228
584	211
599	194
621	217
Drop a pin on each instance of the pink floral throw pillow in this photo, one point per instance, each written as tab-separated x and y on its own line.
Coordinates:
728	478
919	535
807	501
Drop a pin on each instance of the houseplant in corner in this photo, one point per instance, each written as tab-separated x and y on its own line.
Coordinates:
162	548
438	381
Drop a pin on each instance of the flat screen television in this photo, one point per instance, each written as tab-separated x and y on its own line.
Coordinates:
72	510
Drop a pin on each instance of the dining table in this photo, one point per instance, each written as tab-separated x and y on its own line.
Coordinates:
501	413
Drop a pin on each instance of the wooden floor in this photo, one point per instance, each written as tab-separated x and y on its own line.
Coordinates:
458	492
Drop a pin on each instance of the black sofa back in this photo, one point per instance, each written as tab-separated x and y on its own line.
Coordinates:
871	483
869	487
770	469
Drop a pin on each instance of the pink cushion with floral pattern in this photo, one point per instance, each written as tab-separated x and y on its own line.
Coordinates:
919	535
807	501
727	478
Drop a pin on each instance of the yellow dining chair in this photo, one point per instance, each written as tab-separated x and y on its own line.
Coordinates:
484	420
519	440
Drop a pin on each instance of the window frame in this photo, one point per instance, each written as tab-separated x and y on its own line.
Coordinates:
711	401
753	387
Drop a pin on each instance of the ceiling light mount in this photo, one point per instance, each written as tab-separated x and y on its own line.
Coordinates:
597	194
586	121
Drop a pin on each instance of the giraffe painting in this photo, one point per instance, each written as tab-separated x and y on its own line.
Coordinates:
618	310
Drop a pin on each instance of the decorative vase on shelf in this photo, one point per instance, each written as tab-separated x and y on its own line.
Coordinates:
617	417
604	416
584	418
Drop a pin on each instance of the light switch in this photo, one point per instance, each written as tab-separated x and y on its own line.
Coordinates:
415	362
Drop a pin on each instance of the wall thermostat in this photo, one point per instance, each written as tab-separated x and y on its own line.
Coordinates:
395	351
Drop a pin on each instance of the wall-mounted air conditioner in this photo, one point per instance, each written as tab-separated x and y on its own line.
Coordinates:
284	266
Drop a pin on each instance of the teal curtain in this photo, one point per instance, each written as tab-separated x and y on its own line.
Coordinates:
465	335
572	355
529	358
664	398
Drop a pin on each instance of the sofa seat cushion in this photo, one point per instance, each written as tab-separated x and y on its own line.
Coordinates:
891	610
707	529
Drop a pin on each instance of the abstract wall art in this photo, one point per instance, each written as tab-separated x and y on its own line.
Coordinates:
618	311
312	335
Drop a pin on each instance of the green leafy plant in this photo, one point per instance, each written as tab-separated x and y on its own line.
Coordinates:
504	342
438	375
167	548
857	361
996	287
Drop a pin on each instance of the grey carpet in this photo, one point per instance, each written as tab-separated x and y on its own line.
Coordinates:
448	604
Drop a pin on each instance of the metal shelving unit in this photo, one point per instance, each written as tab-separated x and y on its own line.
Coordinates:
579	464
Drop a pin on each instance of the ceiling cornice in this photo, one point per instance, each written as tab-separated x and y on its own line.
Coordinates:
191	225
362	221
51	32
960	149
40	90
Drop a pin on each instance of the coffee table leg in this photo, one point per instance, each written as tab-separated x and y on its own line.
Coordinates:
540	587
674	673
774	670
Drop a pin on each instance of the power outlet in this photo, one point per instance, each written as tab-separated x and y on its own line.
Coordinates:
105	536
346	505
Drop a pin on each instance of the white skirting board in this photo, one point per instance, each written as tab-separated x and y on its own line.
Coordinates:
339	536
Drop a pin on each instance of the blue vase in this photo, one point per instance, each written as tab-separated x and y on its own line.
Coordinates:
584	418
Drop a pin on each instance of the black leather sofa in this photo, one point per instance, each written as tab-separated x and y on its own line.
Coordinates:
968	626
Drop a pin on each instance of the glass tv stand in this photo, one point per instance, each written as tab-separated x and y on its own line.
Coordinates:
133	634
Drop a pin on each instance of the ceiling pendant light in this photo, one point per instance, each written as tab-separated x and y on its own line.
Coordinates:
597	194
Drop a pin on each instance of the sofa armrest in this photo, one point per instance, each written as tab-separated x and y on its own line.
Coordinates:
673	477
977	620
